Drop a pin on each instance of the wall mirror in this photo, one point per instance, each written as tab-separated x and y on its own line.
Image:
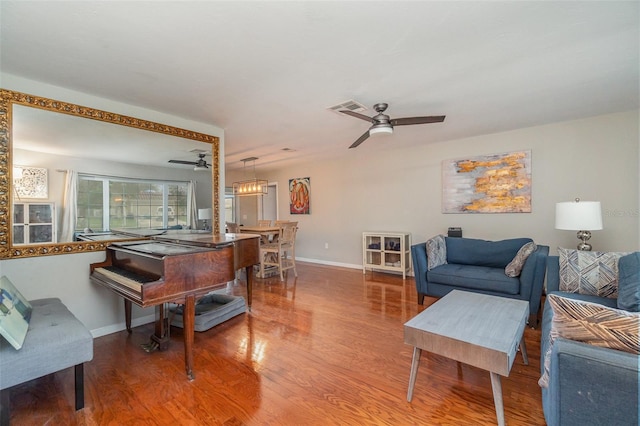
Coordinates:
87	140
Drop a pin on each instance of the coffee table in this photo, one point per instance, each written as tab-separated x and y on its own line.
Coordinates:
476	329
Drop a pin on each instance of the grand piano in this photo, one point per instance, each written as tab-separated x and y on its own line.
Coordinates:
176	268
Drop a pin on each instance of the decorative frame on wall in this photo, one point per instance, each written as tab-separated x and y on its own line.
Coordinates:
497	183
30	182
300	195
8	99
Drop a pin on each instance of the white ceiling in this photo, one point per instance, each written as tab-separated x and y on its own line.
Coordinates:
267	71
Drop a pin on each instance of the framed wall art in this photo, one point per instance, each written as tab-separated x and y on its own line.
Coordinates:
497	183
30	182
300	196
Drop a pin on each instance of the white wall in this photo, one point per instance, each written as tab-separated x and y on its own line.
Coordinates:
67	276
384	186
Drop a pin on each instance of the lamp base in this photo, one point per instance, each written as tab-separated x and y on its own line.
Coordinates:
583	236
205	227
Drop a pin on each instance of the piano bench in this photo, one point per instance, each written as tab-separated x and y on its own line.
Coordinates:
55	340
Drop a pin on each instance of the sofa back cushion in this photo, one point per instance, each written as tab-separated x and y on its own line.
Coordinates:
495	254
629	282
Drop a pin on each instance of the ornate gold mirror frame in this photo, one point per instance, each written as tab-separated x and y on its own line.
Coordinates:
10	98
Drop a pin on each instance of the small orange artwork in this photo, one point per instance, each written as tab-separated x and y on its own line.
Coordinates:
499	183
299	195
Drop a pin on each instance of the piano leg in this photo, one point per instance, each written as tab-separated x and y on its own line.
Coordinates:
160	338
249	271
188	318
127	314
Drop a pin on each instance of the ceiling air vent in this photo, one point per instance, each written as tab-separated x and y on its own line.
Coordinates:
348	106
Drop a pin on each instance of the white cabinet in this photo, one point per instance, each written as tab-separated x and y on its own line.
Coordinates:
387	251
34	223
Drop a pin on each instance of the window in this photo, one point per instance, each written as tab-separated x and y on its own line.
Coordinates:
229	205
106	203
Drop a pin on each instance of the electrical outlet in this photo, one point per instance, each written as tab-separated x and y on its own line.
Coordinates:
326	245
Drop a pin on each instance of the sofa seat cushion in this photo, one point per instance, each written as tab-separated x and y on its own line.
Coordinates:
496	254
474	277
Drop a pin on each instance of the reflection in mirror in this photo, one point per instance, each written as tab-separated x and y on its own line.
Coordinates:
119	170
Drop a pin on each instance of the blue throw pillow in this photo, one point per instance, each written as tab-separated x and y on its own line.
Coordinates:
629	282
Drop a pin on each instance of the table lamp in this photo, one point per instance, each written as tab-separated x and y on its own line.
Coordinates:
581	216
205	215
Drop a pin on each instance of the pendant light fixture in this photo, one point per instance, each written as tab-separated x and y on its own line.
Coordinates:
253	186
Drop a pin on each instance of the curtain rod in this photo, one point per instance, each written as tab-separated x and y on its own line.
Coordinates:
125	178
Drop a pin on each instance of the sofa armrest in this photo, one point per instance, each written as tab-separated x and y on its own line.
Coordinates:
591	385
419	262
553	274
532	277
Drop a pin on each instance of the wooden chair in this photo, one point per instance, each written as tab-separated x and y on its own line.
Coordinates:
233	228
281	253
264	223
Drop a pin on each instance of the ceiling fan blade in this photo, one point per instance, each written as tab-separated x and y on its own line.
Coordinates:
360	116
360	140
417	120
183	162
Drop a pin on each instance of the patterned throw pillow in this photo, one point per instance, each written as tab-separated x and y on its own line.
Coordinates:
591	323
436	252
589	272
514	267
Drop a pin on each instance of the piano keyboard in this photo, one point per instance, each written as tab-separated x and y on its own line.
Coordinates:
124	277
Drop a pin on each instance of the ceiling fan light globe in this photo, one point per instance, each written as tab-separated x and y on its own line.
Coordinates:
375	130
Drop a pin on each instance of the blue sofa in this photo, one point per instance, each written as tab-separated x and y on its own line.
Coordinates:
479	266
588	385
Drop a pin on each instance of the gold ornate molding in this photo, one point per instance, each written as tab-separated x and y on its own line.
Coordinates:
9	98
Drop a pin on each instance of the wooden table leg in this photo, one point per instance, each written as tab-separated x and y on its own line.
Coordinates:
523	349
496	385
249	270
188	320
127	314
415	363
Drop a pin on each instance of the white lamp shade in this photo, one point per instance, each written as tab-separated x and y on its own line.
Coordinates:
579	216
204	214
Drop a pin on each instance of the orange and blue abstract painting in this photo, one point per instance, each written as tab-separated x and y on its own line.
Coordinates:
497	183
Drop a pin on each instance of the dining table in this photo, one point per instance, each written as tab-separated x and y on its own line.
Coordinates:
268	233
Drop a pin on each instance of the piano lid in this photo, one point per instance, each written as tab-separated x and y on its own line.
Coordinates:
159	248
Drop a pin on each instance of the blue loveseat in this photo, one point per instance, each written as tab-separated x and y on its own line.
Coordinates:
479	266
587	384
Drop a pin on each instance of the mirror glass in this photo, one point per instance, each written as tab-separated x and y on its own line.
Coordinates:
42	144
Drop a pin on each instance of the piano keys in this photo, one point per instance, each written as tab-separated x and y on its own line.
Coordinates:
172	269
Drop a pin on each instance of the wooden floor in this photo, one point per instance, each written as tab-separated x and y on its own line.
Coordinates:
323	349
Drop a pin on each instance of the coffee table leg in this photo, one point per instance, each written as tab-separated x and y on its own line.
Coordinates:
523	349
496	385
415	363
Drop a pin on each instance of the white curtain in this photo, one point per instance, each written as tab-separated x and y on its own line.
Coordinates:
192	208
69	206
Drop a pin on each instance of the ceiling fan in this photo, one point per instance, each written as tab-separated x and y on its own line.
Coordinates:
201	164
383	124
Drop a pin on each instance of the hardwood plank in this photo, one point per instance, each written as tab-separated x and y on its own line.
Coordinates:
325	348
